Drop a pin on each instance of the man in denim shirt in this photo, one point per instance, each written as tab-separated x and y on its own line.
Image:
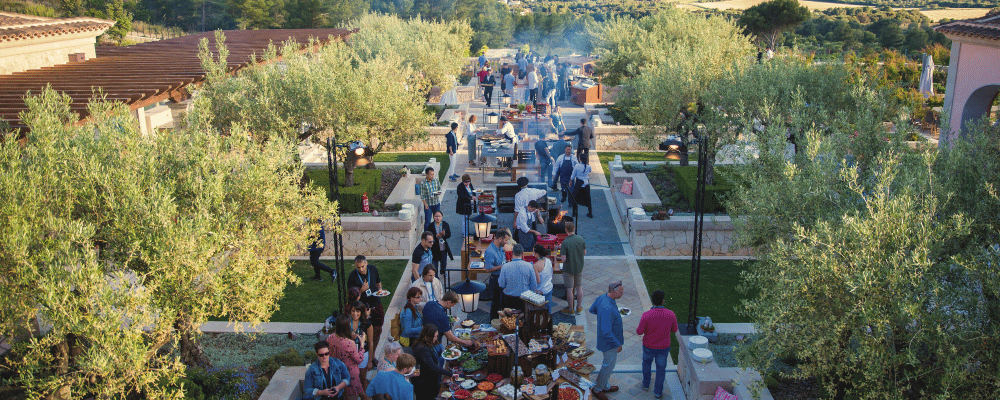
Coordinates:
494	258
328	376
610	336
429	189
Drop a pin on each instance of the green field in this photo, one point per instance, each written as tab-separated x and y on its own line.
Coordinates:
718	297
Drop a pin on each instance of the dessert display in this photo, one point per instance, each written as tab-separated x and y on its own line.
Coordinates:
532	297
536	346
561	331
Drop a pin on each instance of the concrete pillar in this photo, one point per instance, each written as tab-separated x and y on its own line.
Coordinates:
178	111
140	114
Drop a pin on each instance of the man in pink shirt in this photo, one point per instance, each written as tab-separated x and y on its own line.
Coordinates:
656	326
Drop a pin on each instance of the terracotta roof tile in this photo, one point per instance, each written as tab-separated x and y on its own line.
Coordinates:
18	19
987	27
36	29
146	73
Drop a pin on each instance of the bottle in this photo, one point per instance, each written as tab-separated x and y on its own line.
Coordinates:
364	203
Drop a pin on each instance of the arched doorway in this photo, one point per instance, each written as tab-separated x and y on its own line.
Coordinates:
980	103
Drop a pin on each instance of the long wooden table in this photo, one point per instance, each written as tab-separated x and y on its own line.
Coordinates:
473	273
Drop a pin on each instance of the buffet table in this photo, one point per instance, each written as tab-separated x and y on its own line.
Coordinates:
486	371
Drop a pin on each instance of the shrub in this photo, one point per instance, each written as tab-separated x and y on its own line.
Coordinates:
220	383
365	181
290	357
687	180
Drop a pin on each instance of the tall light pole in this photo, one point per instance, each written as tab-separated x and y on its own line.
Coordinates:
699	225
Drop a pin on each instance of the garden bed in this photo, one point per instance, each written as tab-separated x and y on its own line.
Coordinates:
378	183
675	186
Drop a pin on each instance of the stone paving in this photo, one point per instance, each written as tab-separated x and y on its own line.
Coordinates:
608	259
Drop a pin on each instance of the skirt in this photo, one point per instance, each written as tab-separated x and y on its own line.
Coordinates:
581	194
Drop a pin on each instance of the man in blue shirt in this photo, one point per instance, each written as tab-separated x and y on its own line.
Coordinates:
436	312
516	277
393	383
328	376
610	336
482	62
544	161
493	259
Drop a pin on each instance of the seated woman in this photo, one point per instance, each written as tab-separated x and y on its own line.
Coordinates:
430	286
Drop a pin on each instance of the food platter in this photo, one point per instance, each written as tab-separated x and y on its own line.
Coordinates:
468	384
569	392
624	311
451	353
381	293
468	323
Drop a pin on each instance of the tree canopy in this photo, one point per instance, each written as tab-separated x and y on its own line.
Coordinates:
766	20
118	245
876	266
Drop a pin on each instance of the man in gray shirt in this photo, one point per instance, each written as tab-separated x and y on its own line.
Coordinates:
574	248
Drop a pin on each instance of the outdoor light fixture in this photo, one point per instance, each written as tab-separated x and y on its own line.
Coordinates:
483	223
492	118
362	154
469	294
676	150
505	99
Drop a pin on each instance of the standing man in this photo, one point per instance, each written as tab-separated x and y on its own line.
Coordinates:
482	60
394	383
315	251
523	196
586	140
493	260
508	82
564	170
522	64
525	224
563	82
429	189
574	248
488	83
655	327
327	377
516	277
451	146
422	255
436	312
577	134
544	161
366	278
559	146
610	336
533	87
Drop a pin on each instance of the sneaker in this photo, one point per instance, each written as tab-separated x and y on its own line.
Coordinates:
333	276
579	310
317	278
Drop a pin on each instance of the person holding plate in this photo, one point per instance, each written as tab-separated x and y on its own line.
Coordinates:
427	352
366	278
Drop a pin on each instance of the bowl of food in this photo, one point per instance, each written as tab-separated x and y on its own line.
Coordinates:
624	311
468	323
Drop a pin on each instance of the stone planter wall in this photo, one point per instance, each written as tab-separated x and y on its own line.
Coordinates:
672	237
619	137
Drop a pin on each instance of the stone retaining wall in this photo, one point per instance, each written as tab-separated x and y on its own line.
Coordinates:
674	237
619	137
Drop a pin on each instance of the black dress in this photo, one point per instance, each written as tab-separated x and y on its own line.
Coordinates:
440	255
464	204
428	384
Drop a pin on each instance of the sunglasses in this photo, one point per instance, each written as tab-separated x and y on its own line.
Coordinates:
323	354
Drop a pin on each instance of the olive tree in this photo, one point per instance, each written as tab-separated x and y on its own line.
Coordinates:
118	245
324	92
871	274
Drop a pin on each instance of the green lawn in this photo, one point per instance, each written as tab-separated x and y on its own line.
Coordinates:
608	156
718	297
441	157
313	301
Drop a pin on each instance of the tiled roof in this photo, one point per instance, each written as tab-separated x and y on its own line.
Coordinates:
14	27
143	74
987	27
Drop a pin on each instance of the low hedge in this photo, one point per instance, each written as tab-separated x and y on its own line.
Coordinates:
687	180
365	181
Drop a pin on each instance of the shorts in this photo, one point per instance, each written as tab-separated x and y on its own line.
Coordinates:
573	280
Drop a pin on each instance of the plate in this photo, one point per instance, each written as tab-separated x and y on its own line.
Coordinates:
469	384
624	311
451	354
565	389
381	293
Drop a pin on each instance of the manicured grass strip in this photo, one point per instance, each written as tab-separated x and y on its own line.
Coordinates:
313	301
609	155
718	296
441	157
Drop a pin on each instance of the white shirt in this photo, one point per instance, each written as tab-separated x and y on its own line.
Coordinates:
560	160
526	195
431	296
508	131
545	284
581	171
470	129
533	80
524	220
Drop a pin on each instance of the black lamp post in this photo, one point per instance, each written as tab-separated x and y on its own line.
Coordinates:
699	225
361	158
676	150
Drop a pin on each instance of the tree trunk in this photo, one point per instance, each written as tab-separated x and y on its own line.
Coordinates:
191	353
349	169
61	352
